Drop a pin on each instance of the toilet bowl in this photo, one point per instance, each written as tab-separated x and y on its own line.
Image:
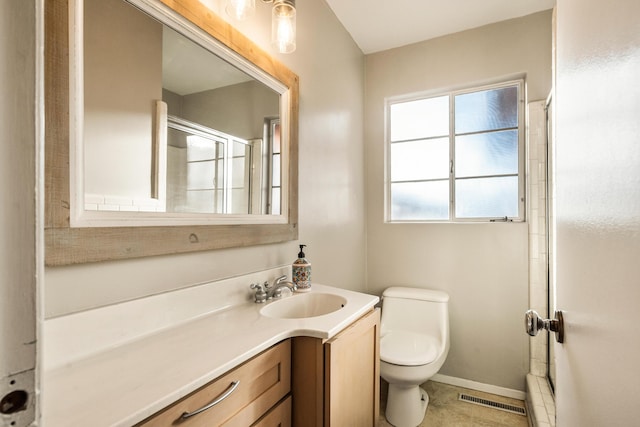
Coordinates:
414	343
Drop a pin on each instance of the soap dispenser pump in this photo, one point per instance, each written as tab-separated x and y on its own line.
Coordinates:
301	272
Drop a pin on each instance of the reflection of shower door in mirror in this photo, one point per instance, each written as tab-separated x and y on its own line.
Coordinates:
551	276
208	171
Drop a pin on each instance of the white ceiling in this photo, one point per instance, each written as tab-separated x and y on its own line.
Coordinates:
188	68
378	25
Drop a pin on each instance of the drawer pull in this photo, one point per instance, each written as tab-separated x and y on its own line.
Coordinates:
222	397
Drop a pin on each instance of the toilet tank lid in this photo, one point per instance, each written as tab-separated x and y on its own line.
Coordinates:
416	293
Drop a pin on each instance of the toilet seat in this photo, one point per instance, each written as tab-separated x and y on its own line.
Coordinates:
408	348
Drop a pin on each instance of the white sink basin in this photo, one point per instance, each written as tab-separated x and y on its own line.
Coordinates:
300	306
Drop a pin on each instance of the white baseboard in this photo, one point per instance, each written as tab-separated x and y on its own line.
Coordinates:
474	385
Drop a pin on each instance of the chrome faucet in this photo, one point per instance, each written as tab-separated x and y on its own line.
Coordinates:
265	291
275	291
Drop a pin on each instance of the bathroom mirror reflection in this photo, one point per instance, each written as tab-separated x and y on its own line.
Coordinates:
169	126
209	171
130	175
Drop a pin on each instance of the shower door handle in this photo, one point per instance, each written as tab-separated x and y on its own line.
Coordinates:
533	324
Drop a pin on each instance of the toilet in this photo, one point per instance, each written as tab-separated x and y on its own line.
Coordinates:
414	343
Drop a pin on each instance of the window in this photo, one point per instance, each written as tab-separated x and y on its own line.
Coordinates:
457	156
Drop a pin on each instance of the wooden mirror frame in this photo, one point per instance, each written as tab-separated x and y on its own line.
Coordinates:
68	245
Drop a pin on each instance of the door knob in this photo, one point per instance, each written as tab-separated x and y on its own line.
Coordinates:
533	324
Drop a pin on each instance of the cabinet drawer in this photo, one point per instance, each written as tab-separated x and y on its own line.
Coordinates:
262	382
280	416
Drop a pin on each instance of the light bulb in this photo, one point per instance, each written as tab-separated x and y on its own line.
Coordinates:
283	26
240	9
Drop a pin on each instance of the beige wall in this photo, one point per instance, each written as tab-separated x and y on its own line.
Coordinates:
218	108
484	267
330	67
123	76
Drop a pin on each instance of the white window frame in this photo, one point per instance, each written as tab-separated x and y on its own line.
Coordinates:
520	83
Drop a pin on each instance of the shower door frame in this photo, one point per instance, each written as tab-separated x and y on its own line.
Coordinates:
550	236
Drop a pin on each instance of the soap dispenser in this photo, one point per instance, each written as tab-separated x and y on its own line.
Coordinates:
301	272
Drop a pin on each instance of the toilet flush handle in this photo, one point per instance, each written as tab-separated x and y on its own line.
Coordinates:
533	324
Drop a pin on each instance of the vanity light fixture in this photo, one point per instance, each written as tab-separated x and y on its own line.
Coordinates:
283	20
283	25
240	9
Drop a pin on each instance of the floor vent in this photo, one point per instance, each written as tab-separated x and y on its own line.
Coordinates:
491	404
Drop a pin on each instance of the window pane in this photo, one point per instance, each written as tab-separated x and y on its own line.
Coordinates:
494	153
275	201
275	176
276	138
487	197
423	118
420	200
420	160
487	110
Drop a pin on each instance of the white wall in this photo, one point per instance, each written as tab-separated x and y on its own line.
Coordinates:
331	199
484	267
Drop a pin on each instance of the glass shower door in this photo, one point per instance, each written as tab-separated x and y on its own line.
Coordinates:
550	223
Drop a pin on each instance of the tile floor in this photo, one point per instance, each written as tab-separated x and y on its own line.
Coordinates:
445	410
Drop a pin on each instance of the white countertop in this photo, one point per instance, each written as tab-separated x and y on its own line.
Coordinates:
125	384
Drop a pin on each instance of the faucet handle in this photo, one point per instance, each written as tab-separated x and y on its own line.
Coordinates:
257	286
267	289
261	292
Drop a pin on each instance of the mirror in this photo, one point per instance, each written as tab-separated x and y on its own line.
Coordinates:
182	134
169	126
215	154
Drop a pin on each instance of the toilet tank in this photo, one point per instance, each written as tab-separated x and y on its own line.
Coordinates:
415	310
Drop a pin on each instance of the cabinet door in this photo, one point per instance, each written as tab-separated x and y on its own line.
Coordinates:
307	381
352	370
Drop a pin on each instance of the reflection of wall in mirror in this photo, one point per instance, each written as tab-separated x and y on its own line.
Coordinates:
123	75
225	109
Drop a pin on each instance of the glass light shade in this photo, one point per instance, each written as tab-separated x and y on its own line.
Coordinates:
283	26
240	9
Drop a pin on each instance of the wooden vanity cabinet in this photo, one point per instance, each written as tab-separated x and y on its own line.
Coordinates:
258	400
301	382
280	416
336	383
